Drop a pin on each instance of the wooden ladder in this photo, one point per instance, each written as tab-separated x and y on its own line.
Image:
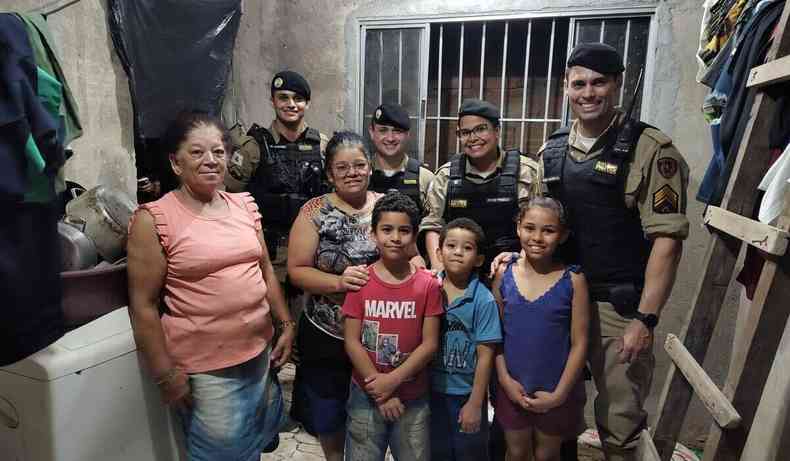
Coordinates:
744	427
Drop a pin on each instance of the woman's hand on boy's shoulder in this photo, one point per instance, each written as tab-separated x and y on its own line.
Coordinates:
353	278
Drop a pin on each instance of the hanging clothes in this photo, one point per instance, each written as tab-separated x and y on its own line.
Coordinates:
750	50
47	59
31	317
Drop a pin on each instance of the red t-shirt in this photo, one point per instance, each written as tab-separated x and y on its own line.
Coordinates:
391	316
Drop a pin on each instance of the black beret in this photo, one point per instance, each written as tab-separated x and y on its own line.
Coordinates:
289	80
480	108
599	57
392	115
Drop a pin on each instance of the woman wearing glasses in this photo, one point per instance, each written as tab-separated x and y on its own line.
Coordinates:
483	183
328	251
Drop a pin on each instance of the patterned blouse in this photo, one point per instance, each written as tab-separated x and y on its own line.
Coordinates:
343	240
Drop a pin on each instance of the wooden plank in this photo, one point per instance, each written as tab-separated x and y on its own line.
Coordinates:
776	71
717	404
719	259
767	238
773	413
646	451
749	371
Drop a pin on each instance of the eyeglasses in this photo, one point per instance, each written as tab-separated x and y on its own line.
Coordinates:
344	169
479	131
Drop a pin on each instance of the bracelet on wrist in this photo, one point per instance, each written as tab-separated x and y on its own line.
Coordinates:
167	377
283	324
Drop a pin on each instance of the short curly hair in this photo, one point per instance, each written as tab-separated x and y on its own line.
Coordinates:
468	225
396	202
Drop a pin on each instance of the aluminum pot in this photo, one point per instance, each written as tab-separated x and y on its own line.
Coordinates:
104	214
77	251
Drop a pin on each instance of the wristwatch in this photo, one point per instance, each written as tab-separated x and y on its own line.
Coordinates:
650	320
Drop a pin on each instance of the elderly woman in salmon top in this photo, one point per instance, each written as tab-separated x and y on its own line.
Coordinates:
199	253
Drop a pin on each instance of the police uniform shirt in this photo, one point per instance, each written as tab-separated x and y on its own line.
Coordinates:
277	137
656	182
426	175
245	159
529	185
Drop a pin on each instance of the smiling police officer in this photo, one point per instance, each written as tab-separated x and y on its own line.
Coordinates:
483	183
623	184
289	168
393	169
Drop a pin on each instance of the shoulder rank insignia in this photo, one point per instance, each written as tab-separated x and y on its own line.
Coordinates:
458	203
237	158
667	166
665	200
605	167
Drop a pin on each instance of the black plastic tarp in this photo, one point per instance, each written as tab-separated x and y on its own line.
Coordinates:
177	54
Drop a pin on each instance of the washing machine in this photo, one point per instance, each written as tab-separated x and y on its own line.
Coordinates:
85	398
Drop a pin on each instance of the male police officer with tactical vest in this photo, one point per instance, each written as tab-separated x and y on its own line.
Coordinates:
288	169
392	168
623	185
483	183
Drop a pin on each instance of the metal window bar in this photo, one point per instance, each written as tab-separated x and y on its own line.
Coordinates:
548	79
381	65
460	80
625	57
569	48
439	93
573	33
503	79
400	66
525	85
482	59
603	29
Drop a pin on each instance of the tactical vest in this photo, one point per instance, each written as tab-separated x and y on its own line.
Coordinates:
288	175
493	204
407	182
606	237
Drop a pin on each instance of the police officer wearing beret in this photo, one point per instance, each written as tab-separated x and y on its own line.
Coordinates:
288	169
483	183
393	169
623	184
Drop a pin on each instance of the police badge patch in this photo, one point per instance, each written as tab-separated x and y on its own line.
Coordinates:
668	167
665	200
278	82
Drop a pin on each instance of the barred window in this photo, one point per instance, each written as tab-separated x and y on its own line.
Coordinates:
518	64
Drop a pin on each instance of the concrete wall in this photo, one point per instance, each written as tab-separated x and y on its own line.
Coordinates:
321	39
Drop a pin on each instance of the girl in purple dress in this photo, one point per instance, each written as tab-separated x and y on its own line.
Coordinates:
545	313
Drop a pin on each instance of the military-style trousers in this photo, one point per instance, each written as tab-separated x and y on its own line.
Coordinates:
622	387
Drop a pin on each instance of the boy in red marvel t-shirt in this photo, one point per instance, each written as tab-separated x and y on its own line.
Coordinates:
392	332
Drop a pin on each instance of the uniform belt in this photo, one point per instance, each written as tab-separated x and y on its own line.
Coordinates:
624	297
